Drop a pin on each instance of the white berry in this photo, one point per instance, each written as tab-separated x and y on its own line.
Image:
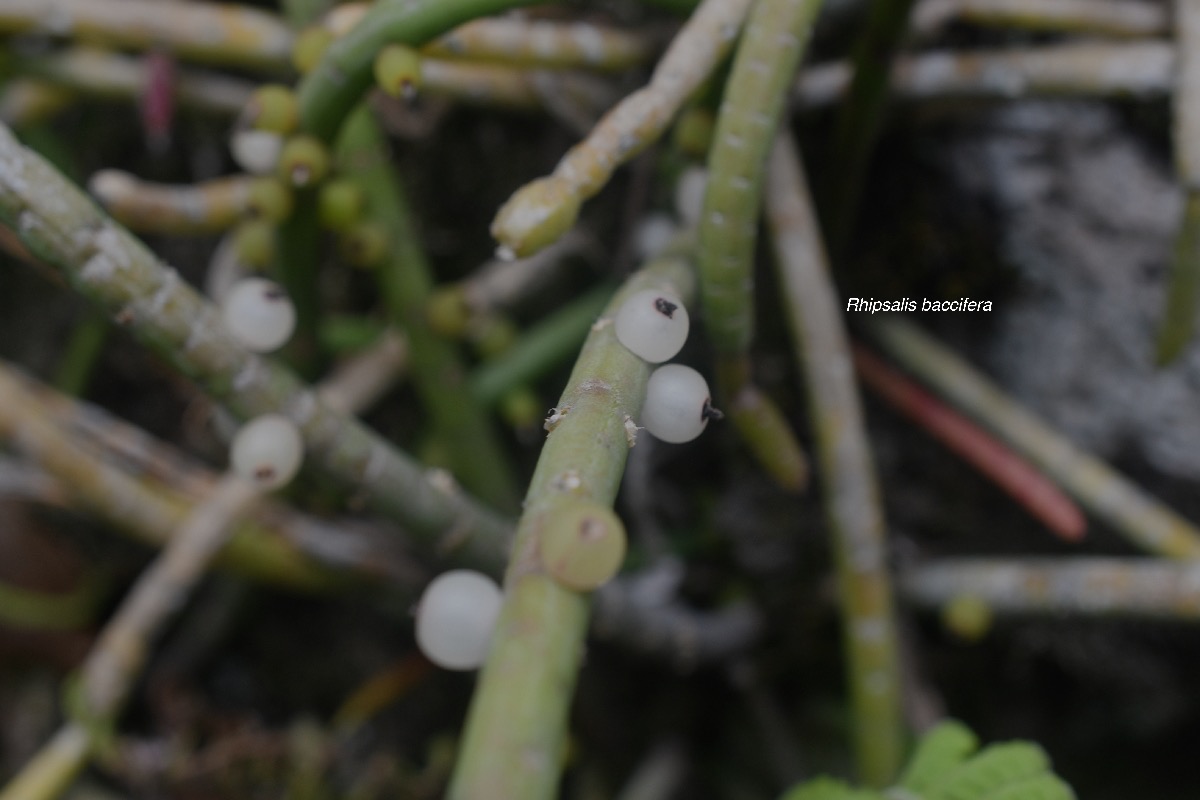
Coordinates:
267	450
456	617
653	324
678	406
689	195
259	313
654	235
256	151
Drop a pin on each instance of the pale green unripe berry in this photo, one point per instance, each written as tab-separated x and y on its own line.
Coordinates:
310	45
447	311
273	108
259	314
364	244
340	204
967	616
303	161
582	545
521	408
398	71
270	199
267	450
456	618
678	404
254	242
492	334
653	324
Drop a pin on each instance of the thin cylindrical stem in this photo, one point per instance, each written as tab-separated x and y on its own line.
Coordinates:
1107	587
1183	292
1141	69
848	475
406	283
331	90
1117	18
202	208
217	33
516	727
991	457
114	270
1146	522
542	211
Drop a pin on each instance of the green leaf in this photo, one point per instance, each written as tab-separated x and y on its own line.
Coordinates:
939	751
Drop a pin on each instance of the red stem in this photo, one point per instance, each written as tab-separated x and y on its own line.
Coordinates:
993	458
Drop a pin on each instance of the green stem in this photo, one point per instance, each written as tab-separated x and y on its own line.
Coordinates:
848	475
544	345
516	728
55	766
42	425
299	240
1142	588
405	282
102	261
335	86
776	34
82	353
1183	292
72	610
861	112
772	45
1147	523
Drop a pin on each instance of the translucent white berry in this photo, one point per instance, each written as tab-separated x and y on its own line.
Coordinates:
678	405
653	235
456	617
653	324
267	450
259	313
689	195
256	151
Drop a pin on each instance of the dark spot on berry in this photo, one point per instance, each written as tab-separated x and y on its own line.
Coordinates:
591	529
665	307
264	473
274	293
709	411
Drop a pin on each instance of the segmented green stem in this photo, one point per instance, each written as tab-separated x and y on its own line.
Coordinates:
542	211
848	474
114	480
60	225
543	43
516	727
1140	69
201	208
334	87
1118	587
770	50
1147	523
216	33
1124	18
458	421
1183	292
772	45
99	73
82	353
